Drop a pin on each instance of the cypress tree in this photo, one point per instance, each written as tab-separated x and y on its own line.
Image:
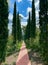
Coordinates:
47	21
33	21
43	30
3	29
14	24
18	26
27	33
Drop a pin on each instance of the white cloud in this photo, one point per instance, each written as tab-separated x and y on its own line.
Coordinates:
10	17
37	3
19	0
37	14
10	28
29	9
23	23
37	11
8	1
23	20
23	16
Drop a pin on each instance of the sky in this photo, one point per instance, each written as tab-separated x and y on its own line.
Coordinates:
23	7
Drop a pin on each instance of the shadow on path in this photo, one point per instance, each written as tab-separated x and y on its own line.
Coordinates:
35	59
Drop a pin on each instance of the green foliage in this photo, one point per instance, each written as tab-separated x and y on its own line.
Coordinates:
43	31
18	45
14	25
10	46
33	21
33	43
30	33
18	29
3	28
27	32
11	49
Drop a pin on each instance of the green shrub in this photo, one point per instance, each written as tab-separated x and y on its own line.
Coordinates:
12	48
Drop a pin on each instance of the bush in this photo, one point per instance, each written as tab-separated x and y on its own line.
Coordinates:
12	48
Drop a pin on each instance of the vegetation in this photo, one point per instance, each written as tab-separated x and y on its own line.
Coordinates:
35	38
14	25
30	33
3	29
33	21
27	32
43	33
13	45
18	28
11	49
40	45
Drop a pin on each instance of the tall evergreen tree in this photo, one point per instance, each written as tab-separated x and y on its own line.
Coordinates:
3	28
18	26
14	24
43	29
33	21
27	33
47	21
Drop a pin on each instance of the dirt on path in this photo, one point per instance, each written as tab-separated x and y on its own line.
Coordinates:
11	60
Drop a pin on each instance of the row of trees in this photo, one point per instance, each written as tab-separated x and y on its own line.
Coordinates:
31	26
16	28
43	22
30	32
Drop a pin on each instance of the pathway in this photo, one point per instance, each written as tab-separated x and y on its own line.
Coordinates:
23	58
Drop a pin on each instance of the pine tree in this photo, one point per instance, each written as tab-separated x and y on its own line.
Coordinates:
33	21
14	24
18	26
43	29
3	29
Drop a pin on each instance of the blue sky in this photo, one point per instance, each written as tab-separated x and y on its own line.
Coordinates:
24	7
